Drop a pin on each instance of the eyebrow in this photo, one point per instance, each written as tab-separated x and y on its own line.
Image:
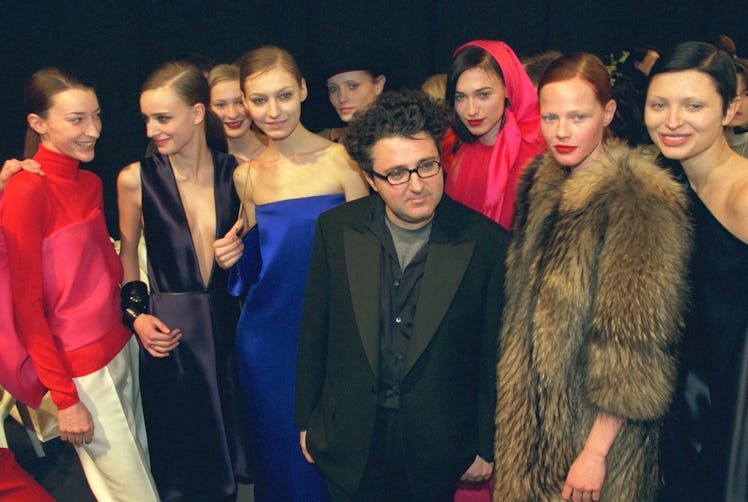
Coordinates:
284	89
420	161
487	88
81	113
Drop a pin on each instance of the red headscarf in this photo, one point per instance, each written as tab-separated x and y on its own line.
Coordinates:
485	177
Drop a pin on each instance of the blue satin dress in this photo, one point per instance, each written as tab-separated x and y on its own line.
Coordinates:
274	267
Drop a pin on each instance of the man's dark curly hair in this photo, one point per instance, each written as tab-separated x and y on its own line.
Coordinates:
402	113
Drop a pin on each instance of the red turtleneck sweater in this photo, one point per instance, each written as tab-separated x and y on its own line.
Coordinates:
64	273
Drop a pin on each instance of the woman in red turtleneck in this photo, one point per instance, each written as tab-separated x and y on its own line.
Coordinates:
64	278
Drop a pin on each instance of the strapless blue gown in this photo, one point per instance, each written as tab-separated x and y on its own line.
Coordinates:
274	266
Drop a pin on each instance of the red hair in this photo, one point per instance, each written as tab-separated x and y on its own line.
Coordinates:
582	65
585	66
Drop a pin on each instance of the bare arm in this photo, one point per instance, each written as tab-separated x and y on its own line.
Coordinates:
737	210
228	249
129	197
302	441
157	338
245	192
587	474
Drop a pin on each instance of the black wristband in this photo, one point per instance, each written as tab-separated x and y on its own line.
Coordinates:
133	301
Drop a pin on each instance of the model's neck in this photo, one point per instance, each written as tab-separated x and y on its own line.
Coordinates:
191	156
700	168
246	146
292	144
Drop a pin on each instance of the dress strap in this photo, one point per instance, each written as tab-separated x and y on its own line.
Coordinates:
247	180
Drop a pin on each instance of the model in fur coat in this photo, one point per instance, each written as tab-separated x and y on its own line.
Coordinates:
595	288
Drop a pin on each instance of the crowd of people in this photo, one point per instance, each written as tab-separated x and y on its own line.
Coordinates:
528	285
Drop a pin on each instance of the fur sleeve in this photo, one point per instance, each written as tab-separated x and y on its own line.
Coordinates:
640	293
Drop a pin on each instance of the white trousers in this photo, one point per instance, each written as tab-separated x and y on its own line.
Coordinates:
116	462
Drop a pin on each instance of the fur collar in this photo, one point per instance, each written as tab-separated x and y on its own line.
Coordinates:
617	169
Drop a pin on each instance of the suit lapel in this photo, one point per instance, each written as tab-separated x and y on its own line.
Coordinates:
362	258
445	266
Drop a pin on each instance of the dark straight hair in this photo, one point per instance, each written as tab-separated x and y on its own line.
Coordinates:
705	58
469	57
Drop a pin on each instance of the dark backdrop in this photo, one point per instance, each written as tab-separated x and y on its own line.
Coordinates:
114	44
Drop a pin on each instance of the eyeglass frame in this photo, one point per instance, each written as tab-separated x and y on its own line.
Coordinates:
386	178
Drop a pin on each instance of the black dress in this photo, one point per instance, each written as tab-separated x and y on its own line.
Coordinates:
707	431
191	399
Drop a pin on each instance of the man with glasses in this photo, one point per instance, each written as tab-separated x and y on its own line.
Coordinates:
395	382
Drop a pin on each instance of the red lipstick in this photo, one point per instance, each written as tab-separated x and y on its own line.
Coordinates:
674	139
564	148
475	122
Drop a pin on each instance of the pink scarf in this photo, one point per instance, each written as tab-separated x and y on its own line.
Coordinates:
485	177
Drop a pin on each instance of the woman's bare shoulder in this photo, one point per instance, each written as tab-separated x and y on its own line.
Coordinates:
129	176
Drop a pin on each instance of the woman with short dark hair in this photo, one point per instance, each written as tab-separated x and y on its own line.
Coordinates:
691	98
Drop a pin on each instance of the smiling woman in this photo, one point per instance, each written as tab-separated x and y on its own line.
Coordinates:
691	98
186	327
296	177
227	103
64	277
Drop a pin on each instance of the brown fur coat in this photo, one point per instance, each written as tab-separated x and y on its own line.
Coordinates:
595	292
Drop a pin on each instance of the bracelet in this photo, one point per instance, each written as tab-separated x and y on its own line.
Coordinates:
134	301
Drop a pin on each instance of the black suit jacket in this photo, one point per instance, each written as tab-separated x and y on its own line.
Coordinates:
448	390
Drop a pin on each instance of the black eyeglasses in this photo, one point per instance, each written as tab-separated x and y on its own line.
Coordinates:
402	175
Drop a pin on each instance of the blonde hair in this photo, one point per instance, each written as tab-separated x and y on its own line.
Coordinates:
222	73
436	86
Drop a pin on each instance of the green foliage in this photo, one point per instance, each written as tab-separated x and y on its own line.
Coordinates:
614	65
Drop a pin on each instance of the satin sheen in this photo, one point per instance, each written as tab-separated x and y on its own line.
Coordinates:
267	341
193	413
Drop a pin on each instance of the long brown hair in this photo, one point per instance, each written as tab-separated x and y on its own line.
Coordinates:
43	85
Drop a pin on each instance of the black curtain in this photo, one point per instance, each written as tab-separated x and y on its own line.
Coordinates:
115	44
